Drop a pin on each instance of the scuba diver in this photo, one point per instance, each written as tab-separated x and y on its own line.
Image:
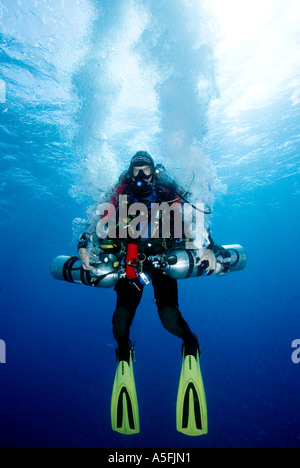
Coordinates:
147	183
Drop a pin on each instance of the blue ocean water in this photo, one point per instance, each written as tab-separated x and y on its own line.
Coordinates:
210	88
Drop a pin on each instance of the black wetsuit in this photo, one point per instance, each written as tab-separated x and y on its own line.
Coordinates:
166	297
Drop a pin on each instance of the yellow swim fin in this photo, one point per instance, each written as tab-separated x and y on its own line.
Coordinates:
124	403
191	411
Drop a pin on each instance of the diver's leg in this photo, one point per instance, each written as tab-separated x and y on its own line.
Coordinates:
128	299
166	297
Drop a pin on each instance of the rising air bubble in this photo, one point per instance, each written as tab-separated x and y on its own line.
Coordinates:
2	92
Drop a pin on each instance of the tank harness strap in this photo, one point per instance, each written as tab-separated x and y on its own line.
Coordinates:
238	257
68	268
223	256
200	271
192	263
85	277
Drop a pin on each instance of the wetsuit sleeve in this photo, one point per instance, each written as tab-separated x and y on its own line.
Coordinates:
174	194
109	220
216	248
84	241
210	240
91	237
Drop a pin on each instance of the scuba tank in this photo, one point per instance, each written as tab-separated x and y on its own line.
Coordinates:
182	264
105	275
177	263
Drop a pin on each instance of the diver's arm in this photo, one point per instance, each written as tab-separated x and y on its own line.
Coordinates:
210	253
84	242
85	258
213	247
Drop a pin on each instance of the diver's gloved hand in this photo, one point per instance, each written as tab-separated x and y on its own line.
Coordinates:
210	258
85	259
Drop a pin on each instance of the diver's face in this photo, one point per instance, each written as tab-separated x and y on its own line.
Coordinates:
145	170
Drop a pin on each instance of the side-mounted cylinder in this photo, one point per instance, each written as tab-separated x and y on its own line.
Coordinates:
105	275
177	263
184	264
